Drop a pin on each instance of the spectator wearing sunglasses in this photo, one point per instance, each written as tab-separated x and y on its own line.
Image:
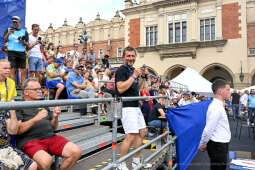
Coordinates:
77	86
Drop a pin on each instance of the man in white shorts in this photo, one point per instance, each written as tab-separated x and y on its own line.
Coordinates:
126	83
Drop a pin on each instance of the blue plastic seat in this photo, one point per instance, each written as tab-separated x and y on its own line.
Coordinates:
48	88
69	96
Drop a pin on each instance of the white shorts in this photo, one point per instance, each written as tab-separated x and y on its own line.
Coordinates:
132	120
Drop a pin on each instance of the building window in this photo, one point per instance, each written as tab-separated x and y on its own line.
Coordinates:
151	35
207	29
177	28
101	53
252	51
119	52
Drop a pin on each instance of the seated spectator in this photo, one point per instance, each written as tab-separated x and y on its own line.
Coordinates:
91	58
54	75
157	111
147	105
60	52
74	54
80	86
99	77
105	61
77	86
185	100
193	97
153	91
10	157
68	69
36	135
51	50
49	61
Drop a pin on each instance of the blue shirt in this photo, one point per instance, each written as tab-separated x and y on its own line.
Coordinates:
14	44
73	78
251	101
91	57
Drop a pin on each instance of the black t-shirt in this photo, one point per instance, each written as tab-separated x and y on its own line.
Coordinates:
41	130
122	74
105	63
235	98
154	114
154	92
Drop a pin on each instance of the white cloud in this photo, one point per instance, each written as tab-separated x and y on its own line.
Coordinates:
44	12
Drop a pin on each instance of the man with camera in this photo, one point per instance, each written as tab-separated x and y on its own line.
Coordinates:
17	39
34	54
126	84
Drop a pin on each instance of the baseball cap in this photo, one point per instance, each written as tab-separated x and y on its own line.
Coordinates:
58	60
112	69
15	18
162	86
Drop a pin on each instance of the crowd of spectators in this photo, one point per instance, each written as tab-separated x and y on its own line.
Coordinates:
242	105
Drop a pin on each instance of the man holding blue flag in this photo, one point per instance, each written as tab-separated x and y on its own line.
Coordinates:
216	135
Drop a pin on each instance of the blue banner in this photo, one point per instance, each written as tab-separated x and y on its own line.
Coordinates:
9	8
188	123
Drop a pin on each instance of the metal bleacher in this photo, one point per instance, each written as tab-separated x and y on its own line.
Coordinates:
84	132
95	139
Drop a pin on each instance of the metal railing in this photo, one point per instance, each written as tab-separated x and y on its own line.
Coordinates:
117	103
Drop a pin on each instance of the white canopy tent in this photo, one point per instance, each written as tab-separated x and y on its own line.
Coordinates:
194	81
248	88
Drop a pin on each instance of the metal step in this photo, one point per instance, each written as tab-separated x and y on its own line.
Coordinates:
74	123
97	142
101	159
68	116
84	133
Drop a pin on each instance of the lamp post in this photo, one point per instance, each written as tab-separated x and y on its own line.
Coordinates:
241	76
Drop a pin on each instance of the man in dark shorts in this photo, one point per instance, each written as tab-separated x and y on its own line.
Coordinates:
17	40
36	135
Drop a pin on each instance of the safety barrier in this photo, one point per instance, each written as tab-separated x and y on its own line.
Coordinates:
116	114
175	85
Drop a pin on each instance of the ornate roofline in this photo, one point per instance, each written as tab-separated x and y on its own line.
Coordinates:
155	5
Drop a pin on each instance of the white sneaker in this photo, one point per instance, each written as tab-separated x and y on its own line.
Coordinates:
134	165
122	166
135	162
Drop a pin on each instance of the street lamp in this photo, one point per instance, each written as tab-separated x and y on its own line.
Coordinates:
241	76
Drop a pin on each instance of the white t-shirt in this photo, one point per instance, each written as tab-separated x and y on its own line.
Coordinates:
244	99
76	56
61	55
35	51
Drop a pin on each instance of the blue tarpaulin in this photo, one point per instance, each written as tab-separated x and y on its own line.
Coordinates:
188	123
9	8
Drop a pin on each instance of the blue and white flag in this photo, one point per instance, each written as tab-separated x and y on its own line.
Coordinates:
188	123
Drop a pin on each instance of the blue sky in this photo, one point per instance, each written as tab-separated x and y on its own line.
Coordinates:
44	12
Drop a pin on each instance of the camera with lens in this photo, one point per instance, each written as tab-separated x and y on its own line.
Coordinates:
40	40
144	73
22	38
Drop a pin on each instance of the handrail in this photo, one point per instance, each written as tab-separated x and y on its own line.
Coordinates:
50	103
109	166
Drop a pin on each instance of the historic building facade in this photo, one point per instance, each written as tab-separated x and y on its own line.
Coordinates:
105	37
214	37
